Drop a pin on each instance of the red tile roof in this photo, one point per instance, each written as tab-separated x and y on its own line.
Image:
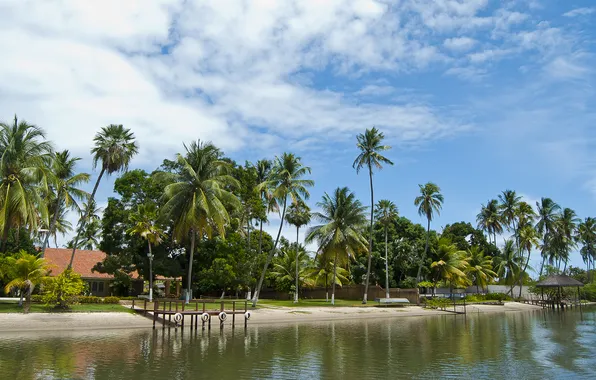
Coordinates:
58	259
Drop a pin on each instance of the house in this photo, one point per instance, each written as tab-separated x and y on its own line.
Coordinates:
84	261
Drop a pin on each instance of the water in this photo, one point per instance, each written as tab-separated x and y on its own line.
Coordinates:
524	345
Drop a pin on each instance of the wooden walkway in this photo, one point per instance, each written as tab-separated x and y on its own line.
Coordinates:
177	313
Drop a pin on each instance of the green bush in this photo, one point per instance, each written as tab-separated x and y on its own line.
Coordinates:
36	298
497	297
111	300
61	291
438	303
89	299
588	292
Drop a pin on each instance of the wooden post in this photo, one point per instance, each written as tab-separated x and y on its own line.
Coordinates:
183	305
133	304
170	315
197	314
154	313
203	322
233	313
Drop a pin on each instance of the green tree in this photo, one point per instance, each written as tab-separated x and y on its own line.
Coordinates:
322	273
284	268
144	222
548	212
114	148
386	212
528	239
480	268
298	216
200	198
489	219
286	180
566	236
26	272
24	154
509	204
450	265
339	235
64	182
429	202
587	238
370	144
60	292
508	264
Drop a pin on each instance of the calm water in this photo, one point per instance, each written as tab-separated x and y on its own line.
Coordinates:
539	345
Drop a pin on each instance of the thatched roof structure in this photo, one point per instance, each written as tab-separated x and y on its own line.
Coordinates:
558	280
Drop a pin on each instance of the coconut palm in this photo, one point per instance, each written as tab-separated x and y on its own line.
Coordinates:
489	220
567	229
339	236
386	212
298	216
322	273
548	212
64	182
114	148
508	264
587	238
450	264
144	225
284	265
200	199
26	272
429	202
24	155
370	144
286	181
62	225
527	240
509	204
480	268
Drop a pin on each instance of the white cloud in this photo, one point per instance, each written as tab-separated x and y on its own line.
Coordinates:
459	44
579	12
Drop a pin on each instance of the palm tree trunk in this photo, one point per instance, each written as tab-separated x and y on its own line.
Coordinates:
52	224
386	267
192	254
425	252
521	275
333	283
297	252
82	226
370	241
542	265
150	272
270	256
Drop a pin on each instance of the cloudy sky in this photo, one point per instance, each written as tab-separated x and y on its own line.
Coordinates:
478	96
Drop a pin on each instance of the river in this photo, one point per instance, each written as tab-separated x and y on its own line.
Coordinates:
518	345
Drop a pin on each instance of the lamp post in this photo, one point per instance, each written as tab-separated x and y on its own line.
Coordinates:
150	256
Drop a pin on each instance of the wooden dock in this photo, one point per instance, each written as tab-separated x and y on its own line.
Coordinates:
177	312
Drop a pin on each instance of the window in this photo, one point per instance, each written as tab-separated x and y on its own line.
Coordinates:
100	290
94	286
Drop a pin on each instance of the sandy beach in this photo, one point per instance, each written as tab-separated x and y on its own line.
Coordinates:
12	322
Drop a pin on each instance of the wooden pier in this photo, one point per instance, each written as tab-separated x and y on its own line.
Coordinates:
177	312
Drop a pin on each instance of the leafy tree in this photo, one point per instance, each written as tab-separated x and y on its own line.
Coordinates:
286	180
322	273
465	237
480	268
23	157
26	272
370	144
199	200
548	212
429	202
489	219
339	235
60	291
587	238
114	148
449	265
284	268
386	212
298	216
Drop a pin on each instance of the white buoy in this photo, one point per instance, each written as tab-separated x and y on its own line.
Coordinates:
205	317
222	316
177	317
247	315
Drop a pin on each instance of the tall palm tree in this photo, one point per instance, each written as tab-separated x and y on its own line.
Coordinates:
342	218
286	181
26	272
509	204
450	265
24	155
64	182
298	216
587	238
508	264
199	199
429	202
548	212
527	240
144	225
386	212
62	225
114	148
370	144
489	219
480	268
567	229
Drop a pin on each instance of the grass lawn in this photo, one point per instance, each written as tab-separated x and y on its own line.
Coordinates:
40	308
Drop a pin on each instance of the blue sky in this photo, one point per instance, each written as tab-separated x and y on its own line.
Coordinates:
478	96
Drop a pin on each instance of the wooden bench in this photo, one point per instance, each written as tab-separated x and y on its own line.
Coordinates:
392	301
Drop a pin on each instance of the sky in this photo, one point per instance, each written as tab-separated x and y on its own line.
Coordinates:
477	96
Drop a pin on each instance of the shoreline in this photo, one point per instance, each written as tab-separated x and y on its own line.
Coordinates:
38	322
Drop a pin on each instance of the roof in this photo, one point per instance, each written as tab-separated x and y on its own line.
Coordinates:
84	261
555	281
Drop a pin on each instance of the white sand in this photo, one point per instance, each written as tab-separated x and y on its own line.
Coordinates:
71	321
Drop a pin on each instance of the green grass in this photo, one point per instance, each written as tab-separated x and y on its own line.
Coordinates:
85	308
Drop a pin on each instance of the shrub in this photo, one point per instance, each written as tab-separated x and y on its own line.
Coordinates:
89	299
438	303
497	297
588	292
61	291
37	298
111	300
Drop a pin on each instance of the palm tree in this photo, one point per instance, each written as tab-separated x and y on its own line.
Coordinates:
24	154
386	212
587	238
62	225
27	271
200	198
286	180
450	265
567	229
144	225
65	183
298	215
114	148
509	204
284	265
527	239
548	212
489	220
371	146
429	202
339	235
480	268
508	264
322	273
